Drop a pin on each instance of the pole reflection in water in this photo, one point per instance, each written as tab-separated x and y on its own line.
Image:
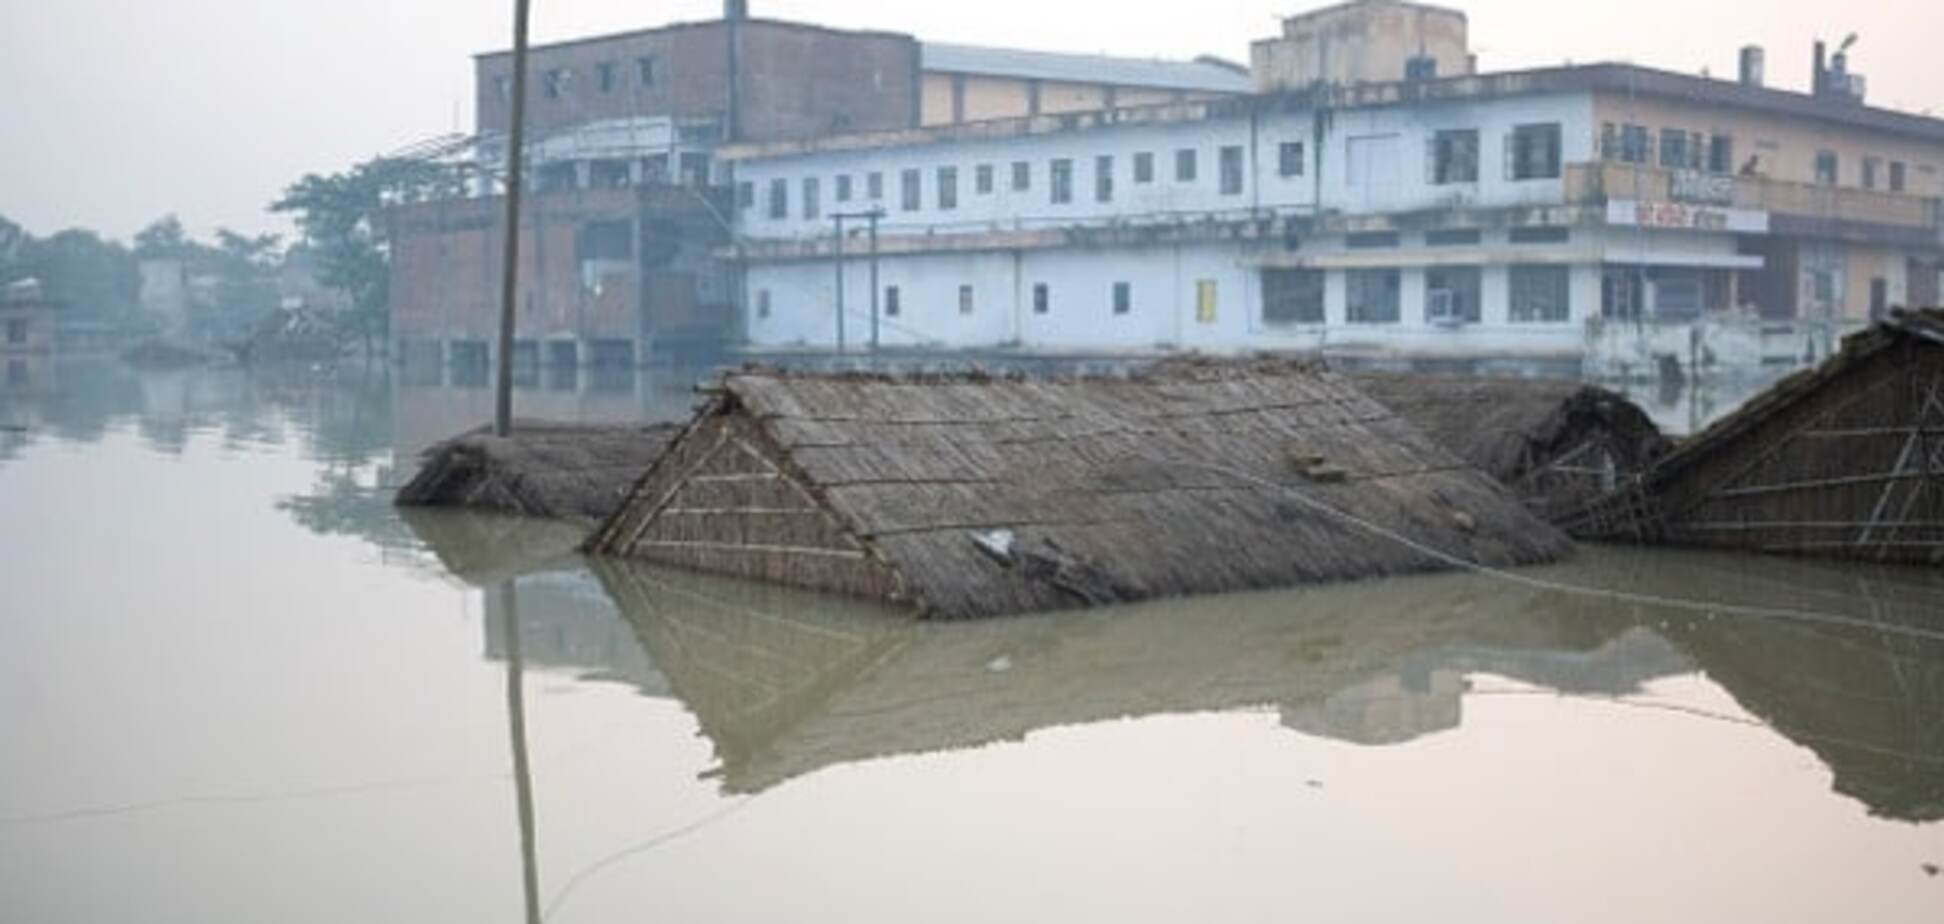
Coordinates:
509	604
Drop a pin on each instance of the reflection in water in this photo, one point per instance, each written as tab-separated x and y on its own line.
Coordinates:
784	684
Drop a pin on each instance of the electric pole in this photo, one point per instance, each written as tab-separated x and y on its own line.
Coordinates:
515	164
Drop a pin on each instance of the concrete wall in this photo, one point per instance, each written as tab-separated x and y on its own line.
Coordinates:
1361	42
796	80
1163	311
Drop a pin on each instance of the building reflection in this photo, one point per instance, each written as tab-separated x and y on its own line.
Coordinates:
784	684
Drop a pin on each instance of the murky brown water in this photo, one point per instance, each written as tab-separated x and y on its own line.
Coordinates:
236	686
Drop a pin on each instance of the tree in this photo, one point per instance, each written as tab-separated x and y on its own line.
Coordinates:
163	239
340	217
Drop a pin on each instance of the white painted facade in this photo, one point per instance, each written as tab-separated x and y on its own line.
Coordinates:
1376	164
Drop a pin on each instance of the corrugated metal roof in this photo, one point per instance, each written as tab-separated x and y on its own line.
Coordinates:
1046	65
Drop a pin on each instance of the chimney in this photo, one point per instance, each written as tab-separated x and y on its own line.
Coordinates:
735	10
1753	64
1819	81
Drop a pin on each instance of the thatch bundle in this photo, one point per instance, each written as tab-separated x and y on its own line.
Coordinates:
971	496
550	470
1557	444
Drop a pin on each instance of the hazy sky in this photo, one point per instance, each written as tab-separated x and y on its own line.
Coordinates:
114	112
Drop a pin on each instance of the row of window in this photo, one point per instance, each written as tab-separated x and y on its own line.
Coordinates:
1680	149
1532	152
1060	185
558	82
1452	296
1539	294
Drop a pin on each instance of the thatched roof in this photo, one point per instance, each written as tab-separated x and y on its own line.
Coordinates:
1922	327
1840	461
971	496
1554	442
549	470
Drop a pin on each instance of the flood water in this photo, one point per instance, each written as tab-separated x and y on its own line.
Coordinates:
237	686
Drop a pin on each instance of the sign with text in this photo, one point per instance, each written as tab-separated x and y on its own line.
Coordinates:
1704	188
1685	217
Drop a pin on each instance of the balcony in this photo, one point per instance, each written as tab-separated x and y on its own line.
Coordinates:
1796	207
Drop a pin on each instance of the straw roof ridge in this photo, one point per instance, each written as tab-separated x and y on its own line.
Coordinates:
1113	489
543	469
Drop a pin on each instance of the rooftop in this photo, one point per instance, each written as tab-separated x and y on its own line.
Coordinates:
1203	75
1610	78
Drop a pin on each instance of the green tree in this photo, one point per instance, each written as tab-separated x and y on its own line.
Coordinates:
341	218
163	239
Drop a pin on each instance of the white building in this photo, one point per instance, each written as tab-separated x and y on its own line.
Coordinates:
1604	212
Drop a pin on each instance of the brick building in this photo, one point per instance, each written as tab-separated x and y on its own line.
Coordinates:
628	203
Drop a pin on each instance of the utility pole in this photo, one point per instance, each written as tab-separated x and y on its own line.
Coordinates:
873	216
839	217
515	164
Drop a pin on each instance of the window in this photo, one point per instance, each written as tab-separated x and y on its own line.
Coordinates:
965	299
1674	148
1207	301
504	87
1826	167
1540	234
1534	152
1123	297
1143	168
1451	295
1062	182
911	196
1373	296
554	82
1540	294
1896	176
1454	157
947	188
874	186
645	68
1871	167
891	304
982	179
1232	171
1042	299
1633	144
1453	237
779	199
763	303
604	75
812	199
1371	240
1697	151
1721	154
745	195
1104	178
1185	165
844	188
1022	176
17	332
1289	159
1620	294
1292	296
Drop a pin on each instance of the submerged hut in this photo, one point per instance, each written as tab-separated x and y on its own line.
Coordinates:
974	496
1557	444
549	470
1845	460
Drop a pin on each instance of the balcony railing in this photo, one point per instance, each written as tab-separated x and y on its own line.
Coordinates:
1598	182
